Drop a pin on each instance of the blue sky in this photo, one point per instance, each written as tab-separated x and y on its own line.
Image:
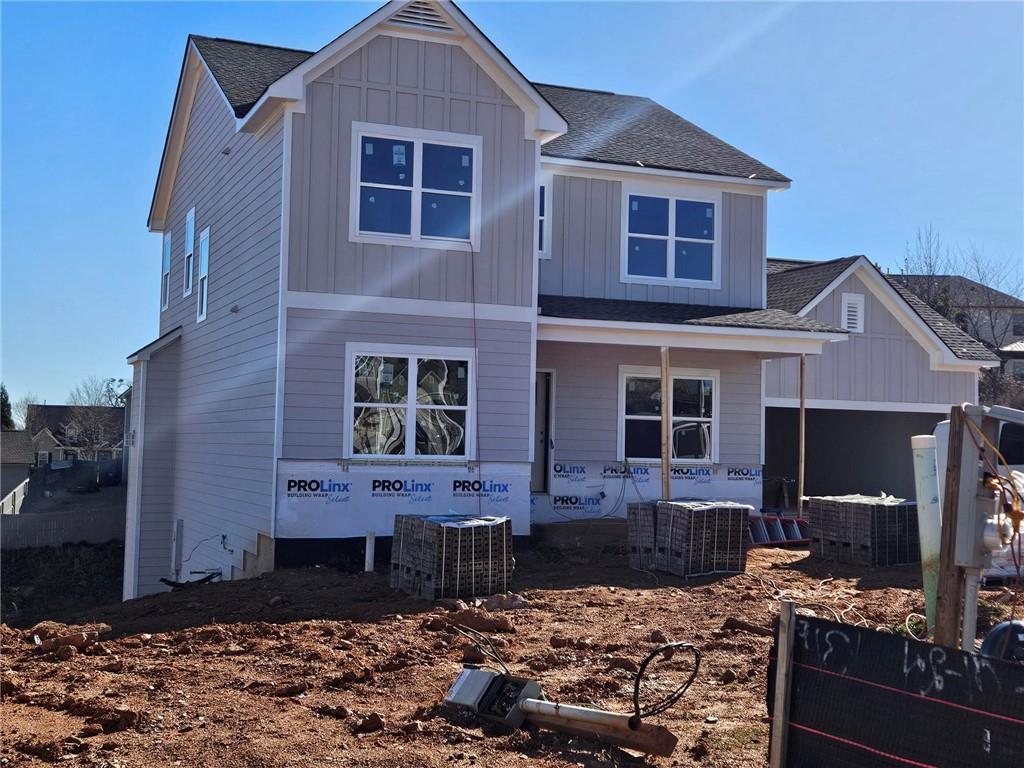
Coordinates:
886	116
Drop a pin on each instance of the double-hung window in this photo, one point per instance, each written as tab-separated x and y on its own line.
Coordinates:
693	406
190	249
165	274
203	285
410	404
670	239
415	187
543	225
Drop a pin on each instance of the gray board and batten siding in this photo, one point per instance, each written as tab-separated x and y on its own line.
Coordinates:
415	84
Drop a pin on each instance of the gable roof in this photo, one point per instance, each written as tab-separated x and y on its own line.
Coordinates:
624	310
964	291
16	447
55	417
792	285
607	127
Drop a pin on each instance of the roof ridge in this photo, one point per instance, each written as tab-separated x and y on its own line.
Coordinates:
585	90
808	264
249	42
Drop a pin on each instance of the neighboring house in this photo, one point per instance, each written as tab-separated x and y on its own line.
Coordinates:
901	369
1013	357
993	317
397	276
16	459
67	432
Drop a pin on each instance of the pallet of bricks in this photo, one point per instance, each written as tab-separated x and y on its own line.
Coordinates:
864	530
688	537
451	555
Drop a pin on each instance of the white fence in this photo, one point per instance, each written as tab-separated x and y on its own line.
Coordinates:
11	504
51	529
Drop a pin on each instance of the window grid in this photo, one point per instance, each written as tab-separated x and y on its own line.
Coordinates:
671	238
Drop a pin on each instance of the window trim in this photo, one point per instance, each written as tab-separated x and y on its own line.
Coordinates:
190	250
653	371
848	300
672	193
165	272
203	282
354	349
417	136
546	183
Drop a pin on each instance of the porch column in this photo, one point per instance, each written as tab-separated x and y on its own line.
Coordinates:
666	427
802	443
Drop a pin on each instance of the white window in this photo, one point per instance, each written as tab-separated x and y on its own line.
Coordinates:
190	239
670	239
852	312
42	458
165	274
203	286
409	403
543	222
415	187
694	408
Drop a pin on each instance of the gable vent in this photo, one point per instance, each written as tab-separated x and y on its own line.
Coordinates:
852	312
422	15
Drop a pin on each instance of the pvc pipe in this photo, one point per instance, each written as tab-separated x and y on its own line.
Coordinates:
969	631
929	518
371	542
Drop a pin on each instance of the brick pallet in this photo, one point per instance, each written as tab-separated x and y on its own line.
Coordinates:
688	537
451	555
864	530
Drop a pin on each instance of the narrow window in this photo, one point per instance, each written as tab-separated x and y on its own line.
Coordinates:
692	408
165	274
852	312
410	406
542	221
1018	324
670	239
203	286
190	237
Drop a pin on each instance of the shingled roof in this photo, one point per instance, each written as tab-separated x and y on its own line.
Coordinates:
604	127
623	310
792	285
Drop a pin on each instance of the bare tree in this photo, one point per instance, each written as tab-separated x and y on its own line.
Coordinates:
927	258
20	409
96	391
983	310
92	429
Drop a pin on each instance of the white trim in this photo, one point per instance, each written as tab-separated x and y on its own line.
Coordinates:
418	137
648	371
203	283
133	521
764	253
189	264
568	166
848	301
351	302
764	369
859	405
165	271
691	336
673	195
152	348
543	249
353	348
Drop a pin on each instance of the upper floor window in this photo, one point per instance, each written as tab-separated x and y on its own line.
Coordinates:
190	239
670	239
204	275
543	226
165	274
1018	324
410	403
415	187
852	312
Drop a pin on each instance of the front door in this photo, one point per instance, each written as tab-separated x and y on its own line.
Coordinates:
541	434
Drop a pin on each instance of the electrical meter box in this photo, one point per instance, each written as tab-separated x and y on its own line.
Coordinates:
492	695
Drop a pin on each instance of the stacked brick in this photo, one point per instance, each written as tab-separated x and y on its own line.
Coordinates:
451	555
864	530
688	537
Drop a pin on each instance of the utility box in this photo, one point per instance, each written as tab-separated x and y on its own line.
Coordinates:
864	530
451	555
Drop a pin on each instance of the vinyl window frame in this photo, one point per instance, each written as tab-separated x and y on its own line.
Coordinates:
852	300
190	251
637	371
165	272
203	281
543	243
672	193
418	137
414	353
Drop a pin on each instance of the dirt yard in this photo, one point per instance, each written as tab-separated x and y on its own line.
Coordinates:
314	667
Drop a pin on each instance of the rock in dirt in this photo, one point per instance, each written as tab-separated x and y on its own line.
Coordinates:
507	601
561	641
339	712
729	676
291	689
9	683
657	636
90	729
482	621
621	662
65	652
371	723
472	655
234	650
414	727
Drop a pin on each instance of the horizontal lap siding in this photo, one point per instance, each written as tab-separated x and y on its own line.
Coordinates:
883	364
416	84
226	381
586	397
315	376
586	248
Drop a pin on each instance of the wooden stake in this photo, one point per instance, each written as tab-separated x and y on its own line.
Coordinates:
783	678
803	446
950	582
666	426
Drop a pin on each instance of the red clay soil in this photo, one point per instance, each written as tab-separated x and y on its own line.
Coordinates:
314	667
